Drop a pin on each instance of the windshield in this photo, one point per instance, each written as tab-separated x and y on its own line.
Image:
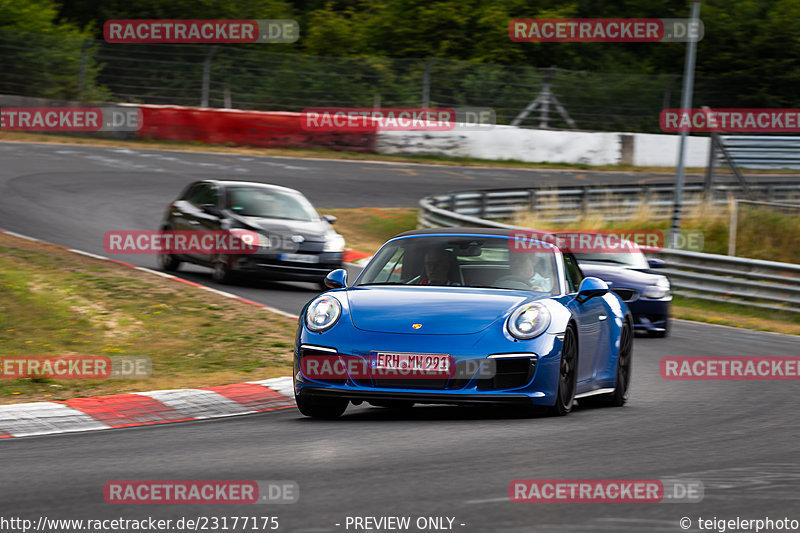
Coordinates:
461	261
267	203
632	259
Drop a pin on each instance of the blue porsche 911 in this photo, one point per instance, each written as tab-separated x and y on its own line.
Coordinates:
463	316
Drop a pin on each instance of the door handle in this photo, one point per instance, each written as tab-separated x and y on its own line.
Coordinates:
194	223
602	317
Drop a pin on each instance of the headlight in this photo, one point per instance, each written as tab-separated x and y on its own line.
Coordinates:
657	291
323	313
529	321
334	243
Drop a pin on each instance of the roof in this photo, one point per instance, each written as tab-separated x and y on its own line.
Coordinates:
233	183
460	230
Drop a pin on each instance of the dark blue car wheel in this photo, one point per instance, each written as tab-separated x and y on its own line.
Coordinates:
567	375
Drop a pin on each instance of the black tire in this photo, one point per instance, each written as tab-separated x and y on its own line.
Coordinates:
392	404
623	381
326	408
221	272
567	374
168	262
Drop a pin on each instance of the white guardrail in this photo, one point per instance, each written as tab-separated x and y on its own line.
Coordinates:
748	282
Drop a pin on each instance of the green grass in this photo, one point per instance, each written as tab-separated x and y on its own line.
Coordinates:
735	315
53	302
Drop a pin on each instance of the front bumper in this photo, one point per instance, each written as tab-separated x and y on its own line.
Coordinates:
650	315
508	382
271	266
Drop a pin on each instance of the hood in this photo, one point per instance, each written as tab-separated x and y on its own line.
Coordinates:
313	231
620	276
440	310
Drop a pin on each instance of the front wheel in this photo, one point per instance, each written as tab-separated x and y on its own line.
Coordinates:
327	408
168	262
222	272
567	375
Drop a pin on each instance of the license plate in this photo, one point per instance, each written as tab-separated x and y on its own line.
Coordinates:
412	362
300	258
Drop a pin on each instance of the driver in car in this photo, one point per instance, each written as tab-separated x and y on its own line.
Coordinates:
438	265
532	269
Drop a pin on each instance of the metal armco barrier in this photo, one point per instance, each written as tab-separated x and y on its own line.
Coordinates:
748	282
763	151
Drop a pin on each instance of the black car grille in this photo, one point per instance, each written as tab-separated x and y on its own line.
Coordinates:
510	373
627	295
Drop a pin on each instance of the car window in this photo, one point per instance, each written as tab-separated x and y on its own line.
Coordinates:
267	203
572	273
204	194
467	261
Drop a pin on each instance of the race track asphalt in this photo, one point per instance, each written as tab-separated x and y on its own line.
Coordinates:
740	438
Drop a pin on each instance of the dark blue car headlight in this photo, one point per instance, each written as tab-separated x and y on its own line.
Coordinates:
528	321
660	290
322	313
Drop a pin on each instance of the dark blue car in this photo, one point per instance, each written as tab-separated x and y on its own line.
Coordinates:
628	274
450	316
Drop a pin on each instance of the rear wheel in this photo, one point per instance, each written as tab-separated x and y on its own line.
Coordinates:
624	361
327	408
567	375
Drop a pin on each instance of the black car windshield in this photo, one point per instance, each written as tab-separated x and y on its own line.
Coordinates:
267	203
463	261
633	259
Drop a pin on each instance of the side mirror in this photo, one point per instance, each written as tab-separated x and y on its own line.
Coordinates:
211	209
330	219
656	263
336	279
591	288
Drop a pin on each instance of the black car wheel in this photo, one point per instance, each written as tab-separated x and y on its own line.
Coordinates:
222	272
327	408
567	375
168	262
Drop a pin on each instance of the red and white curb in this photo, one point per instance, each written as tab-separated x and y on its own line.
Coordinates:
145	408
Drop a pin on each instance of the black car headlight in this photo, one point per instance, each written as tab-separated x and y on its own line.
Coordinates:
528	321
334	243
323	313
660	290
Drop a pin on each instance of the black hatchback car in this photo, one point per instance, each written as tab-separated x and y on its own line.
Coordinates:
294	241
